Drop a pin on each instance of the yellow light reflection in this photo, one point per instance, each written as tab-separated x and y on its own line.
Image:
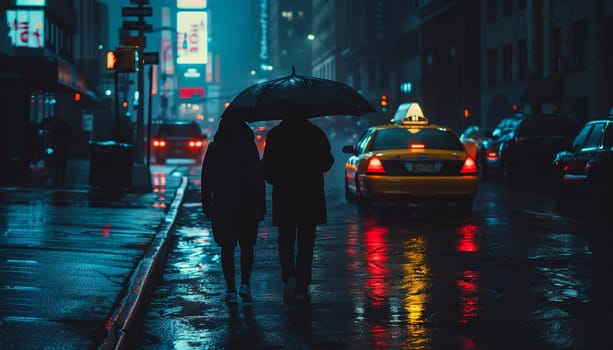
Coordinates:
415	282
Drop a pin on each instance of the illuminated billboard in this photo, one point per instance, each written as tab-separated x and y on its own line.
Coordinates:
30	3
26	27
191	4
192	37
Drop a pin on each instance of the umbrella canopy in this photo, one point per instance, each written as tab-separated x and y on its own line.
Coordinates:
296	95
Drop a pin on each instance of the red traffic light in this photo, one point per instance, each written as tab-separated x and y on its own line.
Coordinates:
384	100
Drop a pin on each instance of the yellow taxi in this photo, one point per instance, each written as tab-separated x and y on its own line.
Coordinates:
410	160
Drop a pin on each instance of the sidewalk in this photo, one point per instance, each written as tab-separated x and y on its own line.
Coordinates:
76	263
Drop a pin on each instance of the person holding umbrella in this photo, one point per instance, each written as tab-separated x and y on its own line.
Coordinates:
234	199
296	155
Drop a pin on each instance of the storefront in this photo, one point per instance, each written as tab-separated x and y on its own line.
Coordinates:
33	88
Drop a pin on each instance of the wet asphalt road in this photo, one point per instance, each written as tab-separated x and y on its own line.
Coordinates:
513	276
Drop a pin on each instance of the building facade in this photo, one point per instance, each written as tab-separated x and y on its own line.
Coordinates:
544	56
41	75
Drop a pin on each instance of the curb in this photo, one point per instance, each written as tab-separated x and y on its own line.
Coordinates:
120	320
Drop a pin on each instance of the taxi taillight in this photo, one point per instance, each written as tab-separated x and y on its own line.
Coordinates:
469	167
375	166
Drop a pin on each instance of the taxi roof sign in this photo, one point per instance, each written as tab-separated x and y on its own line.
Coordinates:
409	113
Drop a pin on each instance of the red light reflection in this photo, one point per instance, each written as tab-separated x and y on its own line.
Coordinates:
470	301
159	186
376	283
106	230
468	241
375	258
159	179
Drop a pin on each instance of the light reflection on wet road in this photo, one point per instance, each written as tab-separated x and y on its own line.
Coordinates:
515	275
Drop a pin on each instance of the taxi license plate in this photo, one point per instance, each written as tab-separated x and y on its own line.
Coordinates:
177	151
423	167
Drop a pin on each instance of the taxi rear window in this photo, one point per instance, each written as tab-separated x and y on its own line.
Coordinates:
179	130
400	138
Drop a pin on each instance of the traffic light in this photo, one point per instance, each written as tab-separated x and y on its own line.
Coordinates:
111	60
127	59
383	103
123	59
466	113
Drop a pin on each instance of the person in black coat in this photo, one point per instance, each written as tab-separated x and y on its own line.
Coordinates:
234	199
296	155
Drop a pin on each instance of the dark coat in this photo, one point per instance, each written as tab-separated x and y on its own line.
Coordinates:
296	156
233	186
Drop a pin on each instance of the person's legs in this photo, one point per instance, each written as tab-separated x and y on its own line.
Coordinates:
246	262
246	268
304	258
227	266
287	240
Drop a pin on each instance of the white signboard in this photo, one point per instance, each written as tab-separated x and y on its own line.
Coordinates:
192	37
26	28
191	4
30	3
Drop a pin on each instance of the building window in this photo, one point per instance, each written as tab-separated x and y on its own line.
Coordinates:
492	10
507	63
522	59
556	48
408	45
491	66
580	38
507	8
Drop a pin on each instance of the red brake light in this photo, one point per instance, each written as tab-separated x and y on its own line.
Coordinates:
492	155
469	167
417	146
159	143
195	144
375	166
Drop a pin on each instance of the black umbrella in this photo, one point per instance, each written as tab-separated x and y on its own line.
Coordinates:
296	95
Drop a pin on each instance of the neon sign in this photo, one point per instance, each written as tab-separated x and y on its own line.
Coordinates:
192	37
26	28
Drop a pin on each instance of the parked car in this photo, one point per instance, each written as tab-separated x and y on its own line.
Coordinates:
527	153
410	160
178	139
471	138
488	153
584	171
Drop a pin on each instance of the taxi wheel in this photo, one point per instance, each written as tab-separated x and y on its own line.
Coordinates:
350	197
600	194
363	203
481	169
508	174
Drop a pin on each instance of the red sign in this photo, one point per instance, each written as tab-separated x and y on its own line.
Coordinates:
190	92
